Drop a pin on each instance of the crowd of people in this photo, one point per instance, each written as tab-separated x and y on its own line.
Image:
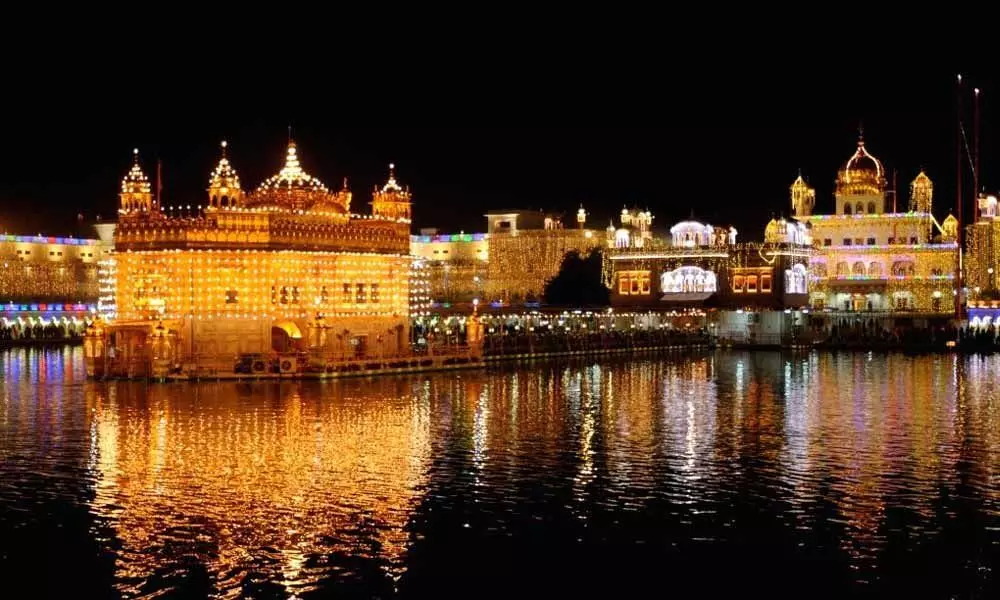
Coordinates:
873	334
509	342
16	333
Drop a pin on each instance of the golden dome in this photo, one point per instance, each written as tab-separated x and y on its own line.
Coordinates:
862	174
291	177
862	163
135	181
224	176
293	188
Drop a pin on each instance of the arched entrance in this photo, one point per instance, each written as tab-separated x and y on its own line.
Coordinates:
285	336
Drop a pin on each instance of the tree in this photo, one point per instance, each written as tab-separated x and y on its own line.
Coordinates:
578	282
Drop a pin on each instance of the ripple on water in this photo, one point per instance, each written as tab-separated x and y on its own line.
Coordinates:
843	473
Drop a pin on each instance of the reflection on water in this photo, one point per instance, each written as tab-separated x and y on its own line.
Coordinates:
817	474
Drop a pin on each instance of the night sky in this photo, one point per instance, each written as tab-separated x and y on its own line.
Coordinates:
723	138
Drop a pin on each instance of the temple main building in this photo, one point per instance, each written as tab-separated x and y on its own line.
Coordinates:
284	268
869	257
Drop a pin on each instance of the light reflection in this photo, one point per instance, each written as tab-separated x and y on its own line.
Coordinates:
303	484
288	476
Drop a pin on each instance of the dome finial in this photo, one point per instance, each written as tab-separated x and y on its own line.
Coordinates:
224	144
861	133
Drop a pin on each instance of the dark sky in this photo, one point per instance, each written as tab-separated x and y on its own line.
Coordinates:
664	127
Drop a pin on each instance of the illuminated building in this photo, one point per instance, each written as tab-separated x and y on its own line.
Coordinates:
457	265
982	263
633	231
285	268
49	286
700	265
869	258
525	250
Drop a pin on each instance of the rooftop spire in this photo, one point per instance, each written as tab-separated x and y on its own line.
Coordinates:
861	133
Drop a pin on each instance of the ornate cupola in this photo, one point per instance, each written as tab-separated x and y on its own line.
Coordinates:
391	201
136	196
921	193
803	198
224	189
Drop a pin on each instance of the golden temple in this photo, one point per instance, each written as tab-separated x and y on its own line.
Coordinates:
283	269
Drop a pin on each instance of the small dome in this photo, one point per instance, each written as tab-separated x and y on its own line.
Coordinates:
135	181
921	179
391	185
862	163
224	175
292	177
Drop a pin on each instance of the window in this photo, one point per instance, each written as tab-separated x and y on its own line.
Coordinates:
827	242
859	241
841	269
232	297
871	241
847	208
751	284
738	282
324	296
936	272
859	208
875	269
858	268
295	294
284	295
913	240
623	284
347	293
634	286
847	241
274	295
374	293
359	296
892	240
871	208
765	283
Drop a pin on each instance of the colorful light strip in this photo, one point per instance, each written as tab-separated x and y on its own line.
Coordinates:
944	246
454	237
49	307
906	215
886	277
41	239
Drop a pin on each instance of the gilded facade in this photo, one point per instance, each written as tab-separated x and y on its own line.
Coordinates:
526	249
870	257
284	268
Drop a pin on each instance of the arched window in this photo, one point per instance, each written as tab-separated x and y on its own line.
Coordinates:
847	208
875	269
858	268
902	268
842	269
859	208
225	201
871	208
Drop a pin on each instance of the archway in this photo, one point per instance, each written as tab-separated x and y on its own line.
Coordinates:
285	336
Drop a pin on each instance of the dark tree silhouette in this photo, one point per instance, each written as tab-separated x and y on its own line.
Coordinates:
578	282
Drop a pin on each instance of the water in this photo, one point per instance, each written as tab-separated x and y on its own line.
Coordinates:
809	475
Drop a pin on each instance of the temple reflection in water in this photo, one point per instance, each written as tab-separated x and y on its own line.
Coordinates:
413	482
